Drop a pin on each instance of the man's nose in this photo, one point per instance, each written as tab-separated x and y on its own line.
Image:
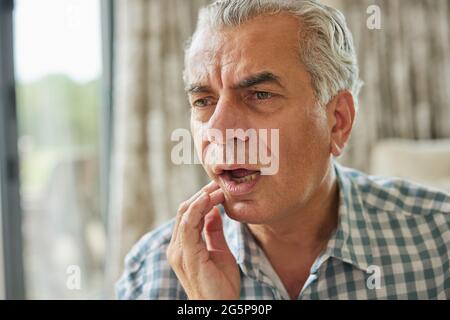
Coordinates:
227	117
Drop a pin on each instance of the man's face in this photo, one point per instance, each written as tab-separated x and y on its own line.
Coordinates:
250	77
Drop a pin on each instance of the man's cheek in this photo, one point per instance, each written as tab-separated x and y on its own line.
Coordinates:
198	130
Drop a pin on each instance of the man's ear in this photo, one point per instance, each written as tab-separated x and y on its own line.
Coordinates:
341	116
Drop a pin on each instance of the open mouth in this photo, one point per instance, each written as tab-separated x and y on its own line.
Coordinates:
239	181
241	175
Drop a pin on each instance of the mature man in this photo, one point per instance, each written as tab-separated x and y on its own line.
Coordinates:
312	230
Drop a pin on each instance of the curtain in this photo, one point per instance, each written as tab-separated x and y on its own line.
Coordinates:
406	69
149	103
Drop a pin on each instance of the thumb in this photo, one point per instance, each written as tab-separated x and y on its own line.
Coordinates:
214	235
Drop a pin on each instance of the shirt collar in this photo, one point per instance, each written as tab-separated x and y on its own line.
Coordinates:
244	247
345	244
351	234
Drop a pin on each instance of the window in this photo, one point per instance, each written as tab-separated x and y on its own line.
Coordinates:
58	70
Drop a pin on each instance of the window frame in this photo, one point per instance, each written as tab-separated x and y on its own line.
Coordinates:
107	132
107	114
11	214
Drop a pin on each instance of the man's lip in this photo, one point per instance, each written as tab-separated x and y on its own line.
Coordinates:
218	170
234	189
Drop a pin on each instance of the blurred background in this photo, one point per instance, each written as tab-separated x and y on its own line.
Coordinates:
91	90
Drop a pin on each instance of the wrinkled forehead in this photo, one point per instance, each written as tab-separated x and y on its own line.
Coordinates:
257	44
212	51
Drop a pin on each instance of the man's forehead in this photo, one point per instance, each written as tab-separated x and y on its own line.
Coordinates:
282	26
234	72
214	63
207	42
247	49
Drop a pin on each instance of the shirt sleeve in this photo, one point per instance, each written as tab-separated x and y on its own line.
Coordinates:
147	274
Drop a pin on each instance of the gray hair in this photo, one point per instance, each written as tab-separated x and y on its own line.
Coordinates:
326	50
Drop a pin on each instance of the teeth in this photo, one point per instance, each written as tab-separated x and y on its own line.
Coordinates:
246	178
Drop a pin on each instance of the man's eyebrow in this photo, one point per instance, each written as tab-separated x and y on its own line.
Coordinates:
248	82
197	88
259	78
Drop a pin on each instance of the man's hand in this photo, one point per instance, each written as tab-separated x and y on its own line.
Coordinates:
206	269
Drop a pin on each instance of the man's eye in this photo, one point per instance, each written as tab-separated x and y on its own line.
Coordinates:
201	103
262	95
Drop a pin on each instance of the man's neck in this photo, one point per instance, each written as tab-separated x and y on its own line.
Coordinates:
293	243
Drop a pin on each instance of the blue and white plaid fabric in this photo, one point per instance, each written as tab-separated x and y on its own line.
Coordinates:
392	242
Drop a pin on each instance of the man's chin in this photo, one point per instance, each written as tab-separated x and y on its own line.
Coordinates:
246	211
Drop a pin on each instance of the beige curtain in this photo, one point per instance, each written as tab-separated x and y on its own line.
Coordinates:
406	70
150	103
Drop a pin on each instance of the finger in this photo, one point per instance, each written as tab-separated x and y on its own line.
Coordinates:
188	238
181	210
174	239
196	212
213	185
191	227
207	189
214	234
185	205
216	197
178	241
